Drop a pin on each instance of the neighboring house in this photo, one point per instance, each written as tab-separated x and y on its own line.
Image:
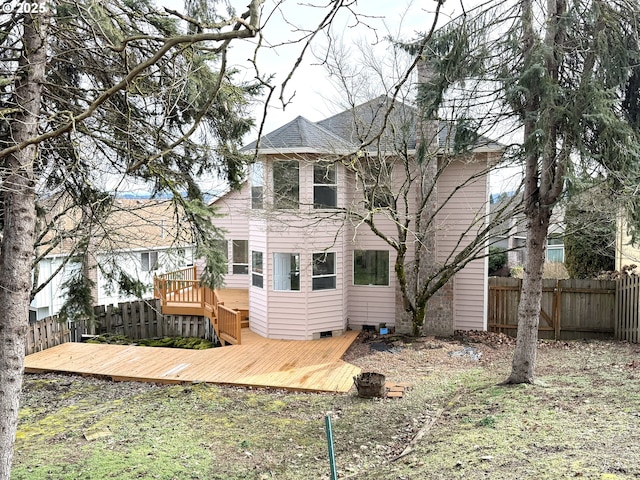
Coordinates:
512	234
310	270
141	242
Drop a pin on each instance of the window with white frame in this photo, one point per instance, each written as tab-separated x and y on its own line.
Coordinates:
240	257
286	271
324	271
286	184
149	261
376	180
257	272
555	250
325	186
257	185
371	267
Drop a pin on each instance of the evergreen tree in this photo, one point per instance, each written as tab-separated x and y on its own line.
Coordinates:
94	96
563	76
590	234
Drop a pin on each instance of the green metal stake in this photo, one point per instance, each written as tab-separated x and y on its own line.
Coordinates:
332	455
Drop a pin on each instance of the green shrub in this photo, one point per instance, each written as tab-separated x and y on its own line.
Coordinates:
497	259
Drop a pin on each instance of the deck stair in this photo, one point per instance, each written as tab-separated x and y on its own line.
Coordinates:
181	293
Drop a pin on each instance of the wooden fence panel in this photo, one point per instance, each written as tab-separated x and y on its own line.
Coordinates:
143	319
504	296
587	308
47	333
570	309
628	309
136	320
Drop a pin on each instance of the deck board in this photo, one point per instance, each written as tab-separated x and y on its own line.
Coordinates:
313	365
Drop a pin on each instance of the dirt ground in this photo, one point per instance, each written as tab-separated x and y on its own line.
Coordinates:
580	420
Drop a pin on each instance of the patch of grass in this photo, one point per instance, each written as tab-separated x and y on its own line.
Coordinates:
582	420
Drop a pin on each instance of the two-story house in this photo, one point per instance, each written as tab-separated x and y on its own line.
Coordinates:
311	232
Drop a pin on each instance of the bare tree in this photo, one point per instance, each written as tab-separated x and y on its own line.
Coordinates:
400	165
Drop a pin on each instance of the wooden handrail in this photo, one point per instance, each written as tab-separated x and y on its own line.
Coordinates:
182	287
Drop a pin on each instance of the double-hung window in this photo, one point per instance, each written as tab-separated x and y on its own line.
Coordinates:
240	265
325	186
371	267
257	185
286	184
376	180
324	271
257	272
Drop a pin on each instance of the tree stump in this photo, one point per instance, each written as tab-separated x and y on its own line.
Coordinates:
370	385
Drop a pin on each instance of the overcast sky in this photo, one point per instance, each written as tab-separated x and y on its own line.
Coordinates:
312	95
310	88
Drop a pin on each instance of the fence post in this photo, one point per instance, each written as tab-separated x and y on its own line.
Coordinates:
332	455
557	304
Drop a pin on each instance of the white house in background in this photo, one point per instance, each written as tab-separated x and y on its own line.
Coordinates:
514	235
310	270
142	242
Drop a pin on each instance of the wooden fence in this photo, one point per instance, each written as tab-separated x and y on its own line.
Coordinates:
48	333
571	309
628	309
135	320
143	319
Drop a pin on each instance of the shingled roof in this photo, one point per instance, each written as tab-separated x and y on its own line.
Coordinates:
301	136
347	131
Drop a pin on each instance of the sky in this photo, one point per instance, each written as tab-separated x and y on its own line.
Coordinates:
310	91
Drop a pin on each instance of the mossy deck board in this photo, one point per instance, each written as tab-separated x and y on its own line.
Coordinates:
313	365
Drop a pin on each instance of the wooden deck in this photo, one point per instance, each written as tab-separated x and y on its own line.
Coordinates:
180	293
313	365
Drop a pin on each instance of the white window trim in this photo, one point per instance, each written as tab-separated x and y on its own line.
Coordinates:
152	263
388	284
277	280
256	273
233	262
334	185
334	274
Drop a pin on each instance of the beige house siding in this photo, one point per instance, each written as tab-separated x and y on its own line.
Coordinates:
233	209
371	305
304	314
258	298
323	310
466	206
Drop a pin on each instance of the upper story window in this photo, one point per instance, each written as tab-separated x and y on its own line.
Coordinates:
257	272
286	184
325	186
324	271
376	180
371	267
149	261
257	185
240	256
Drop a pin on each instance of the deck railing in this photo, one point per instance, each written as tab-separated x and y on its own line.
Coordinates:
182	289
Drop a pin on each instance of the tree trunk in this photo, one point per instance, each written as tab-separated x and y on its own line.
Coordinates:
524	357
16	247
